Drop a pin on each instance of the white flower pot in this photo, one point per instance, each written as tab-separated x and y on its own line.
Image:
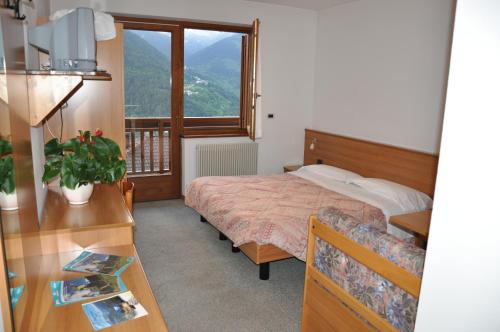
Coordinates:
8	202
79	195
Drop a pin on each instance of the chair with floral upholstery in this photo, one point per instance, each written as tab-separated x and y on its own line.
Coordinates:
358	277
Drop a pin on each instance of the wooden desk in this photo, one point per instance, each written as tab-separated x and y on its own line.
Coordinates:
36	311
417	223
291	168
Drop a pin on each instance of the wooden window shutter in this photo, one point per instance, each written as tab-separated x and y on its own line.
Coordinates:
252	51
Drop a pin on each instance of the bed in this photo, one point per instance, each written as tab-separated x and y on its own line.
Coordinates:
266	216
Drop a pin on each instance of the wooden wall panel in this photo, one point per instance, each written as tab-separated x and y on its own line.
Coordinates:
411	168
98	104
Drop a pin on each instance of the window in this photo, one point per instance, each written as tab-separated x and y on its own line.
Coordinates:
185	78
212	73
148	99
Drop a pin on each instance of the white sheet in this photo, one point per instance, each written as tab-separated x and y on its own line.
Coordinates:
388	207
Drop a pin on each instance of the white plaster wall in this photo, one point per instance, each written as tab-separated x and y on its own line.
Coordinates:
288	46
461	289
381	69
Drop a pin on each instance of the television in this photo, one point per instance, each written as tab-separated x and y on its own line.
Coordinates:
69	40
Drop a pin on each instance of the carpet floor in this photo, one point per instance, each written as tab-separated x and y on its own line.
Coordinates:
201	285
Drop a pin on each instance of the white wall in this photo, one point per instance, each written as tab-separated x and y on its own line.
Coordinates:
286	57
381	70
461	285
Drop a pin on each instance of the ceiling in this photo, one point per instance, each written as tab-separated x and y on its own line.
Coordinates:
307	4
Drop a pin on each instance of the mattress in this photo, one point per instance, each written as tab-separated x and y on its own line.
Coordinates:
271	209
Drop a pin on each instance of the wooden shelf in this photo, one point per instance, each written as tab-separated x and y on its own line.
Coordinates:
99	75
36	311
49	90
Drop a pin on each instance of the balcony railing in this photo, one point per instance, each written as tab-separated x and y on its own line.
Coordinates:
148	141
147	145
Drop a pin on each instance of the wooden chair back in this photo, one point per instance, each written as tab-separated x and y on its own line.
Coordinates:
327	306
127	188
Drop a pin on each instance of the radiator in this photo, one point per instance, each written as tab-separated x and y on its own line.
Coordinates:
226	159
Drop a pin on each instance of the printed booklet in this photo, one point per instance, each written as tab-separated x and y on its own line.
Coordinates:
15	295
113	310
80	289
99	263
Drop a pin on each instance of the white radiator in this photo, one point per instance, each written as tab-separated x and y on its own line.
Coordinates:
226	159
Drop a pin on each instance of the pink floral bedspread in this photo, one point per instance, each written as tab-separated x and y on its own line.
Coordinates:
270	209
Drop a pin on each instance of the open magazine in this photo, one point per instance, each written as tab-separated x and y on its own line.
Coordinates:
99	263
80	289
113	310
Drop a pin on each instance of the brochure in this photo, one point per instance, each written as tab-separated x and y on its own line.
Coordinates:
99	263
15	295
80	289
113	310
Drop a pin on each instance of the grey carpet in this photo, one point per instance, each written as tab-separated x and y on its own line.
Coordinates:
202	286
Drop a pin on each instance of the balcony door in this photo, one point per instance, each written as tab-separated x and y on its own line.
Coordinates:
153	98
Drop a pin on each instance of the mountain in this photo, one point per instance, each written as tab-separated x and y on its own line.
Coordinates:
221	60
162	41
211	77
219	65
195	40
147	78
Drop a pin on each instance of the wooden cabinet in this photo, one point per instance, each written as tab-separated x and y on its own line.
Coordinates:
417	223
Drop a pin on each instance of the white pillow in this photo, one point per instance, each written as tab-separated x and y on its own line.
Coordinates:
409	199
331	172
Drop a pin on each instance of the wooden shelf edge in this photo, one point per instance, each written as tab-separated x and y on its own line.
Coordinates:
91	75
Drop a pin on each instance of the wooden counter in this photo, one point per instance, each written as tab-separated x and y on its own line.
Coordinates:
105	208
103	222
36	311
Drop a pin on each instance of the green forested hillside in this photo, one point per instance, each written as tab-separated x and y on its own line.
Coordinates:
211	79
147	79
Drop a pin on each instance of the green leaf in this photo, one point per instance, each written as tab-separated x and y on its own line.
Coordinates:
52	168
69	173
72	144
5	147
53	148
7	179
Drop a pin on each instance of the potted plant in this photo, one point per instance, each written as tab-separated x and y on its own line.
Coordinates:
82	161
8	196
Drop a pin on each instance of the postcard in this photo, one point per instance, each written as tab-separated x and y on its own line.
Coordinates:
99	263
15	295
113	310
80	289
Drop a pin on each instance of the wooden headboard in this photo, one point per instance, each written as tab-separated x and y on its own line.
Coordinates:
408	167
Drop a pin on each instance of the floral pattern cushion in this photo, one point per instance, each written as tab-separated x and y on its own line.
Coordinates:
368	287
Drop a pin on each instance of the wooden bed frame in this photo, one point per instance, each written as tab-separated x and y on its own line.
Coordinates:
408	167
325	302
